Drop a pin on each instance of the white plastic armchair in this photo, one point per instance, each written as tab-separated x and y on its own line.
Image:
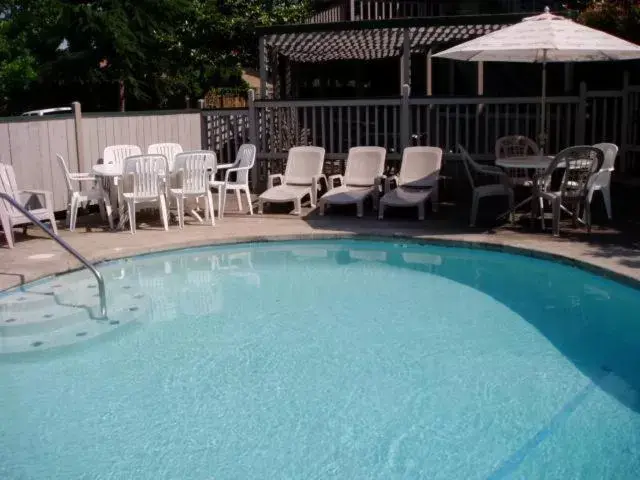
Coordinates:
78	197
115	154
38	202
363	177
169	150
601	181
143	175
485	181
245	159
302	177
416	182
192	181
514	146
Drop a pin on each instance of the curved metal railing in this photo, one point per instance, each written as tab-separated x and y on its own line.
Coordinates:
67	247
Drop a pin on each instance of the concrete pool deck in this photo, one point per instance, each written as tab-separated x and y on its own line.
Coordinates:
605	251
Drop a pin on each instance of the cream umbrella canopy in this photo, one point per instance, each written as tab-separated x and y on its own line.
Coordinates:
541	39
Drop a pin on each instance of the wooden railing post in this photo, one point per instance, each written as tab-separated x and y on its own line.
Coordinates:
204	127
253	136
405	118
581	118
77	123
624	133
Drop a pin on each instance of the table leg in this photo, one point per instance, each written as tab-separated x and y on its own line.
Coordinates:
527	200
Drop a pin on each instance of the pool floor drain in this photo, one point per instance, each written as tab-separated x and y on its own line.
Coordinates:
36	344
10	320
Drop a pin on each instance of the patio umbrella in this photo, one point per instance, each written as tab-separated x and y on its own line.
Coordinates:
541	39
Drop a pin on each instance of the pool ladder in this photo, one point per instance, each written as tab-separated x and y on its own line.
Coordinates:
67	247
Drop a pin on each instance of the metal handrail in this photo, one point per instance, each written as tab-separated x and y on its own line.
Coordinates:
66	246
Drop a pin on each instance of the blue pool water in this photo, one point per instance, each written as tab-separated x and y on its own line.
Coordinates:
320	360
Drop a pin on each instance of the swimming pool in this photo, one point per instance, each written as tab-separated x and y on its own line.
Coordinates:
322	359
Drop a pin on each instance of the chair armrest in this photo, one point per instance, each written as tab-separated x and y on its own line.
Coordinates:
387	183
47	194
234	169
315	187
274	176
335	177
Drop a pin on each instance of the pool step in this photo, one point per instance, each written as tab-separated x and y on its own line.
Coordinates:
45	316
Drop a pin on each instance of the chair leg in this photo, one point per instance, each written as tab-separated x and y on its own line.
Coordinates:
381	211
219	203
474	209
541	203
239	199
224	203
360	208
131	206
67	220
52	221
248	194
8	230
321	206
163	211
587	216
606	196
512	202
297	206
260	206
180	210
555	211
74	214
421	210
210	207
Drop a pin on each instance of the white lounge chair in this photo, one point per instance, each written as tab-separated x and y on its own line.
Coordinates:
78	197
362	178
143	183
38	202
192	181
301	178
417	181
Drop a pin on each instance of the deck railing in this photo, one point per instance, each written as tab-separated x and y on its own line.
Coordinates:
394	123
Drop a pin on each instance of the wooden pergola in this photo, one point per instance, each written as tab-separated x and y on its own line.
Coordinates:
370	40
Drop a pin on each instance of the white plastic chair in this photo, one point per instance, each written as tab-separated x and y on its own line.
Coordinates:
38	202
580	164
416	182
602	180
514	146
143	182
301	178
486	181
77	197
192	181
245	158
169	150
361	180
116	154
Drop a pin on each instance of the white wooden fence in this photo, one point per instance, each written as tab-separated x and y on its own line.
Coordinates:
30	144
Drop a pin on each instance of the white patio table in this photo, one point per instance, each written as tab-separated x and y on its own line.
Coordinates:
113	173
534	162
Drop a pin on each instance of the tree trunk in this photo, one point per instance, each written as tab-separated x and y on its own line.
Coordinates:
121	96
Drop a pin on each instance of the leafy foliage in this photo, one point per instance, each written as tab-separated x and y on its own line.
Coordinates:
159	51
620	18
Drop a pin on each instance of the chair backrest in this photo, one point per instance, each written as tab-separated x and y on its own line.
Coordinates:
610	151
470	166
516	146
116	154
245	158
579	164
364	166
191	170
420	166
146	170
169	150
303	163
65	171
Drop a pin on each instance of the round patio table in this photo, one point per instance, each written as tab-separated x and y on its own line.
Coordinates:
113	172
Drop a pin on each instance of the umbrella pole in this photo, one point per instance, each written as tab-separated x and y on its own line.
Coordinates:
543	130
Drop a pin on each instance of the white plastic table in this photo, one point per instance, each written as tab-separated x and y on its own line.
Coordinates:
534	162
112	172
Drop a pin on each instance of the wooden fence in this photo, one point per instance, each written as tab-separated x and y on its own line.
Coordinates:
30	144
